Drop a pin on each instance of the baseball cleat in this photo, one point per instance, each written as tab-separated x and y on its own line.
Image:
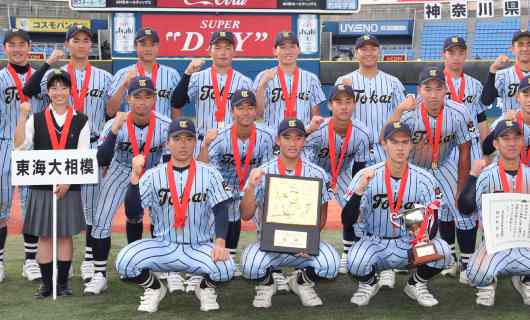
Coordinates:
192	283
451	270
151	299
263	298
387	278
420	293
462	277
31	270
280	281
486	296
96	285
523	288
2	272
364	293
343	266
207	297
87	270
175	282
305	292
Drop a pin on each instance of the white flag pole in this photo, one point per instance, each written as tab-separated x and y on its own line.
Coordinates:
54	241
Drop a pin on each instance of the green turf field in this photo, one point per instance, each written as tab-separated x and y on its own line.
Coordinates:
121	300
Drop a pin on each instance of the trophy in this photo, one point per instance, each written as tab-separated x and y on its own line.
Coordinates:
416	222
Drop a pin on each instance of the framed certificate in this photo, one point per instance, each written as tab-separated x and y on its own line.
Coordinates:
291	214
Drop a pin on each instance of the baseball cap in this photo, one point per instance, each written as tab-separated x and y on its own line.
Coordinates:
11	33
524	84
291	124
455	41
243	95
283	36
75	28
140	83
340	89
223	35
181	125
394	127
366	39
519	34
58	74
505	125
147	32
431	73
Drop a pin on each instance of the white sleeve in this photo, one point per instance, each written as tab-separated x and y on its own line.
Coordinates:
84	138
30	133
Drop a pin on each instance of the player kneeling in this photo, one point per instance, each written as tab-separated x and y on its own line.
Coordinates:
386	244
259	265
508	174
180	196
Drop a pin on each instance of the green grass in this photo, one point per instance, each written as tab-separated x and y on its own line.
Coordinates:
121	300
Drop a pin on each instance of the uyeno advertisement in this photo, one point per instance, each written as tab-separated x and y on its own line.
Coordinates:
189	35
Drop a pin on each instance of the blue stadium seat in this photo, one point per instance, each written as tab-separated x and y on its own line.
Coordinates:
494	37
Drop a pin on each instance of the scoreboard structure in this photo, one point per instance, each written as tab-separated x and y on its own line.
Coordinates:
232	6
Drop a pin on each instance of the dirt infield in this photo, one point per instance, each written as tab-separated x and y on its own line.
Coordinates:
15	222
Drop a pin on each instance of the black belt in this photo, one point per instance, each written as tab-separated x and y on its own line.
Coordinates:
94	139
384	238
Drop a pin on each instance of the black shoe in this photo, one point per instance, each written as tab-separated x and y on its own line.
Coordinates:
63	290
43	292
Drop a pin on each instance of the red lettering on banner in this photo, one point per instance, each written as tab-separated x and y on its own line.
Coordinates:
189	35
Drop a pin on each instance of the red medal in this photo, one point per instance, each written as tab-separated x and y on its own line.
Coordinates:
504	179
434	142
395	206
335	167
297	170
132	136
290	99
180	206
519	72
525	156
17	81
221	101
242	173
79	96
452	90
58	144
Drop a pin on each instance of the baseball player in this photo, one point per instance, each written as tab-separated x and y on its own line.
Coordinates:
341	147
165	79
508	174
140	131
88	95
210	90
287	91
257	264
235	151
377	93
17	46
465	90
503	82
441	127
382	190
180	196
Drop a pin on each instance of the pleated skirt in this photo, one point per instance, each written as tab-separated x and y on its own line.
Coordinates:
39	215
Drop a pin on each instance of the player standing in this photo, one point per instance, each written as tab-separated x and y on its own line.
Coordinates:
503	83
287	91
341	146
235	151
441	127
386	244
258	265
140	131
377	93
210	90
508	174
180	196
88	96
17	46
165	79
